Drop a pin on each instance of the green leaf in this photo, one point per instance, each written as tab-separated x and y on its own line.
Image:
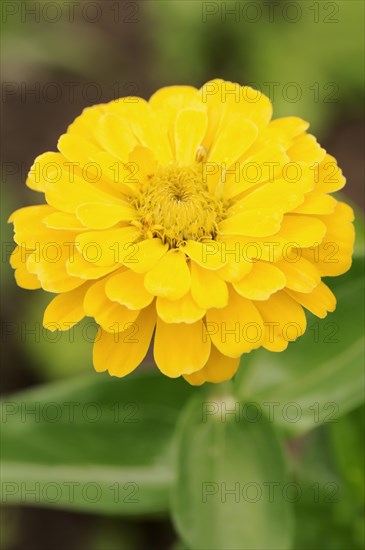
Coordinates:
320	377
346	437
225	466
328	471
95	443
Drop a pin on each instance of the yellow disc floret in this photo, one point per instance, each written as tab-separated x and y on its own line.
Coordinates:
176	205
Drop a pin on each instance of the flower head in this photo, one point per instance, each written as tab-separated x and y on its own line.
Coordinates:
192	217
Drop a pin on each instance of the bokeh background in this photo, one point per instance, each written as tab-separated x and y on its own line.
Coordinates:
59	57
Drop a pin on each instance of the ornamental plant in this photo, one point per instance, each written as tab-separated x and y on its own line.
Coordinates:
186	216
195	222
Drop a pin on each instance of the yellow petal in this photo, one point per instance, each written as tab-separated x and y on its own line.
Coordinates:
127	288
102	216
291	125
329	176
45	166
252	223
190	128
168	102
51	270
253	104
207	254
170	277
116	176
32	233
122	352
302	231
70	191
261	164
172	99
115	136
144	124
110	315
263	280
225	100
317	203
279	194
77	149
234	136
333	256
26	280
274	134
66	309
234	270
306	149
77	266
144	255
145	161
105	248
236	250
219	368
242	252
63	220
301	275
215	112
180	348
237	328
207	288
32	217
19	256
183	310
84	125
23	278
319	301
284	320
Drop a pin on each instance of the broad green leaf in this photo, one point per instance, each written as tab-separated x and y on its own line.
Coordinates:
328	474
94	443
347	443
320	377
226	468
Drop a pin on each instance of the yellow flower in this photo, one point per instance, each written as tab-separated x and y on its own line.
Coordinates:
193	217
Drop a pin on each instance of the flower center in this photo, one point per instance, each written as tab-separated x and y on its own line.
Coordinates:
176	205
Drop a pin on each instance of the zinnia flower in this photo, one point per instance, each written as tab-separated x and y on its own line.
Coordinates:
192	217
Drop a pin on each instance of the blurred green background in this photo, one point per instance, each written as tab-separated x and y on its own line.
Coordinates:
59	57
